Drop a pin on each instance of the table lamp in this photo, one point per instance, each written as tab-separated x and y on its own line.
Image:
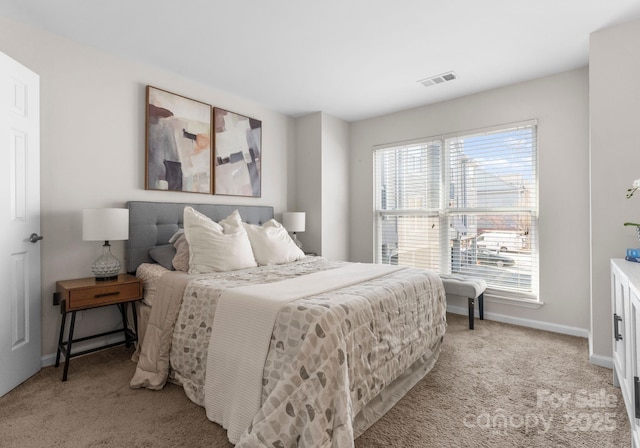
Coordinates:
294	222
105	224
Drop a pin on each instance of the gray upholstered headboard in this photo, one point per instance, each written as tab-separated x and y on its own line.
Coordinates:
153	223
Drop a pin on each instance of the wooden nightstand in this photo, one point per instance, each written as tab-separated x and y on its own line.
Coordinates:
86	293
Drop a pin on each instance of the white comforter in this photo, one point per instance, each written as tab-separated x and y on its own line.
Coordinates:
244	317
328	354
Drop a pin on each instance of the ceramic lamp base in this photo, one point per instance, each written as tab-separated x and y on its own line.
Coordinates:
297	241
106	266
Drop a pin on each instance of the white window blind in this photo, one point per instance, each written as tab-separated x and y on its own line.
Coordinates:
463	203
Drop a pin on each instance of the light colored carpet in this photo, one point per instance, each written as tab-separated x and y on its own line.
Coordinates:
497	386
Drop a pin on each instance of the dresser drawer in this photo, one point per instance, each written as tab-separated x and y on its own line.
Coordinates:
102	295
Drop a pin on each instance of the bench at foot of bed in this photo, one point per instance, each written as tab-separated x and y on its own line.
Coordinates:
471	288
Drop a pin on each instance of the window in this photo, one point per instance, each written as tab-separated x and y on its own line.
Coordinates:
463	203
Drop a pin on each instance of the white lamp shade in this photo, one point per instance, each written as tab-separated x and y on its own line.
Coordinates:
294	221
105	224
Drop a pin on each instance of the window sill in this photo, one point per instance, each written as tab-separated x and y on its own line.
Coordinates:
494	296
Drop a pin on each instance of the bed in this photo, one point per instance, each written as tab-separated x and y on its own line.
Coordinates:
306	353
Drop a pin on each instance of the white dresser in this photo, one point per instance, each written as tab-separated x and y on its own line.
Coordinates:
625	305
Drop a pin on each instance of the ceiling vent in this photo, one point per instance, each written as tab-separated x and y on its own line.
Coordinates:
439	79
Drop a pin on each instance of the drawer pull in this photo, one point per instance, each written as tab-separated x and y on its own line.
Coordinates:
107	294
616	330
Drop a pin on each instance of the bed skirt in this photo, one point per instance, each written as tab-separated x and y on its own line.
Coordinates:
394	392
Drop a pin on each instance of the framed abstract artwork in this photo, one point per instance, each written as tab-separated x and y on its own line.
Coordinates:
178	143
238	154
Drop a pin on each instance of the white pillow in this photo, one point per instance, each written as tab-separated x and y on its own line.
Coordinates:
216	247
272	244
180	260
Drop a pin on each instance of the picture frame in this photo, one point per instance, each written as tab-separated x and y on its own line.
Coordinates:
237	154
178	146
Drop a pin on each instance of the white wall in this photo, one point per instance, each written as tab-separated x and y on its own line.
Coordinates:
322	182
308	194
92	151
560	103
335	188
614	90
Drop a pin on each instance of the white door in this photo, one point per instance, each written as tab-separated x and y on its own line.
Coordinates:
19	218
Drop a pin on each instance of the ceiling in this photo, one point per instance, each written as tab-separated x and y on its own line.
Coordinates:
352	59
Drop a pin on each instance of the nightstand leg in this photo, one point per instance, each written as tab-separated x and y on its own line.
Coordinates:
67	360
123	310
60	338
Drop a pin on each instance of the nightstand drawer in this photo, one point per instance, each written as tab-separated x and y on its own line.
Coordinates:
102	295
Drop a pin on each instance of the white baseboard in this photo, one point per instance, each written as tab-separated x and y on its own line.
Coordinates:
540	325
50	359
599	360
602	361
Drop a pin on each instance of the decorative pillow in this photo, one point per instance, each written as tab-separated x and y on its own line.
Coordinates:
163	255
181	258
176	235
216	247
232	223
272	244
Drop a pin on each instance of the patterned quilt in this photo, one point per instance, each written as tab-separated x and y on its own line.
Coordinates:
329	355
